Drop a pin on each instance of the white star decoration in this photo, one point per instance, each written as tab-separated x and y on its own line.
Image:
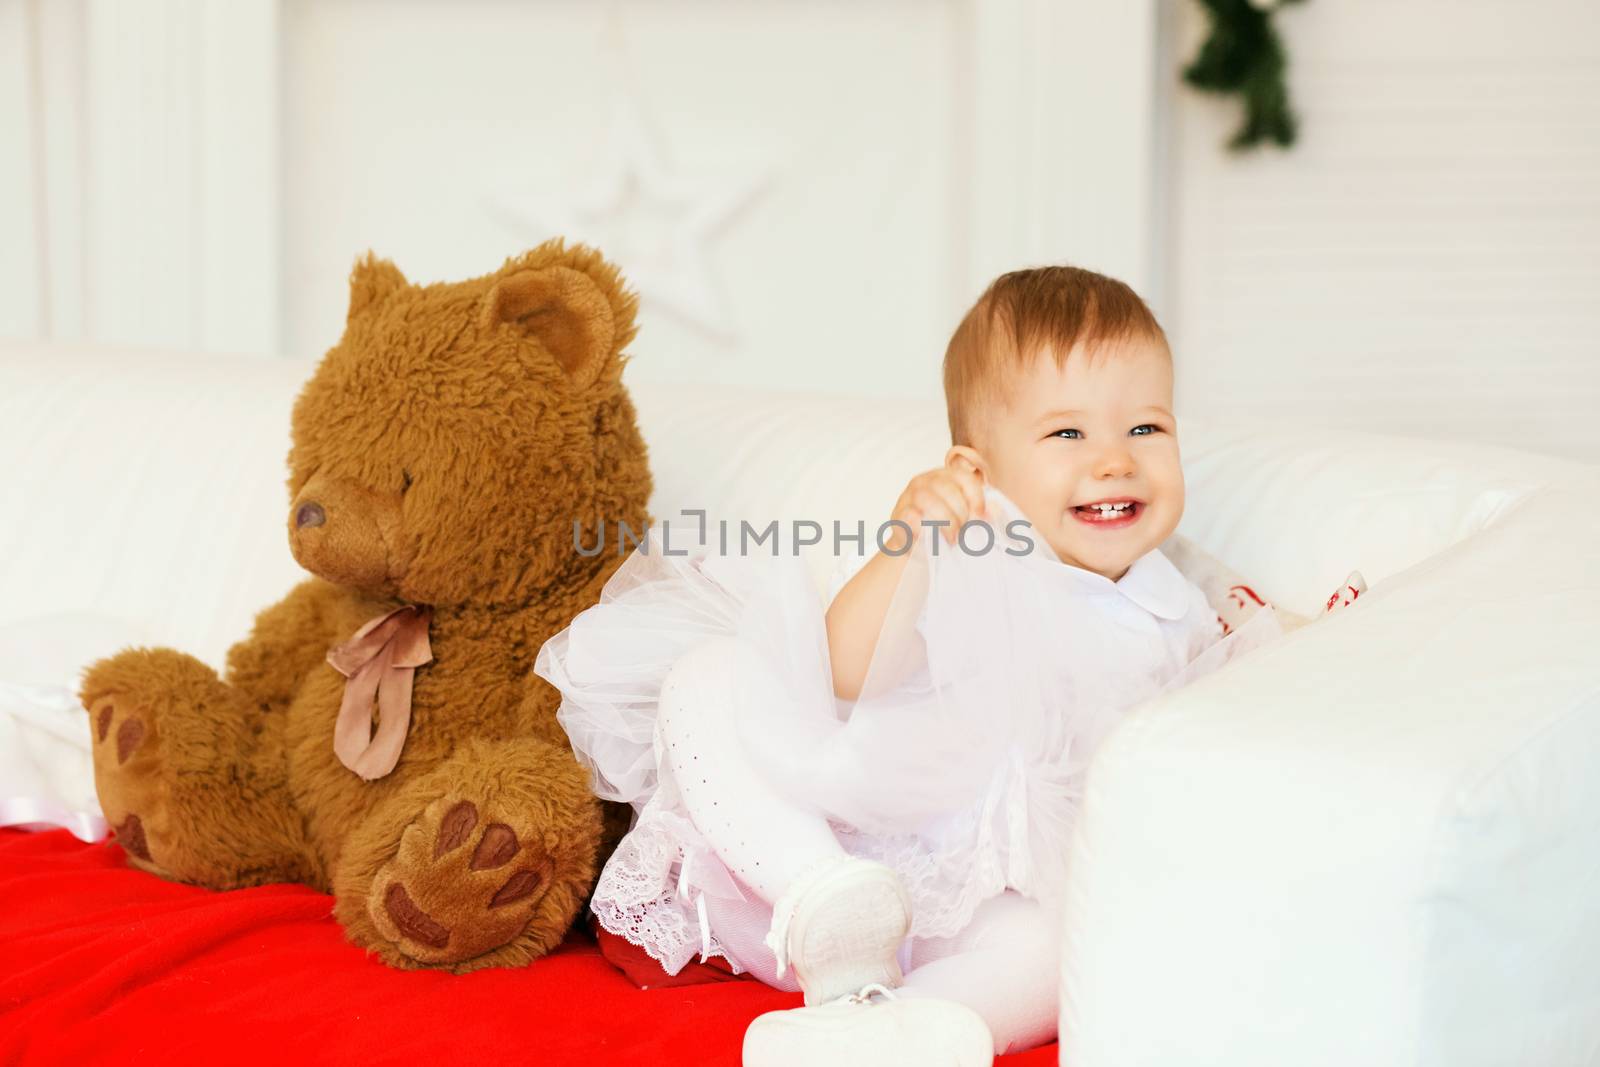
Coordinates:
656	224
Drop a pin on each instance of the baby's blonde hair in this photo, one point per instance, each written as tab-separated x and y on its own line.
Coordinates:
1024	311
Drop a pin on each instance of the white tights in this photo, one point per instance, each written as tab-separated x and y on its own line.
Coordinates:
1004	964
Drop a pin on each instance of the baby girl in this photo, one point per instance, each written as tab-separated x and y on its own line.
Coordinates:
870	799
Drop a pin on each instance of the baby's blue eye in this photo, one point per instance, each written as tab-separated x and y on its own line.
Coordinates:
1152	427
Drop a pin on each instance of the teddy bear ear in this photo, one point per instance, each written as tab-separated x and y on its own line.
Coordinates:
371	281
564	310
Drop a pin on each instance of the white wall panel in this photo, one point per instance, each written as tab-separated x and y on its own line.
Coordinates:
868	166
58	26
806	194
20	295
181	185
1426	260
835	118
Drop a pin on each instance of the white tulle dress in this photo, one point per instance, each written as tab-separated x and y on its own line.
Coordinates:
962	763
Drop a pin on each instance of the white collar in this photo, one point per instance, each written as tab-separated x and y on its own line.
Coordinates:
1153	581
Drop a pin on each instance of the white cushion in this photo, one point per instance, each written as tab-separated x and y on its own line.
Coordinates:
149	493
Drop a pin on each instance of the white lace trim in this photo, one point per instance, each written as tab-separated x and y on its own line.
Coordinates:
642	896
659	928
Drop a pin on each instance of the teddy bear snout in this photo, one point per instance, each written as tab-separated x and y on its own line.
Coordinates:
345	532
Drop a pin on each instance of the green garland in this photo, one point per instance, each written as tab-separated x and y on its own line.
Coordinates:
1244	55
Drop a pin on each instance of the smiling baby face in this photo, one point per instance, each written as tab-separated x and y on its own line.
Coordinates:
1094	429
1058	385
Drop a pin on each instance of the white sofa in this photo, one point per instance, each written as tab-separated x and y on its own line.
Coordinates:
1374	842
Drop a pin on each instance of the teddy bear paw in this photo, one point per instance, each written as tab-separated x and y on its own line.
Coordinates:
128	768
461	885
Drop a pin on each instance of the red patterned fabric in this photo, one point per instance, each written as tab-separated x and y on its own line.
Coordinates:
103	964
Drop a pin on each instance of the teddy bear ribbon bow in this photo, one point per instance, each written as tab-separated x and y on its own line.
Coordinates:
379	661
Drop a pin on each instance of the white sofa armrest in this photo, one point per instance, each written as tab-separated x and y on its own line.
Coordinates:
1374	842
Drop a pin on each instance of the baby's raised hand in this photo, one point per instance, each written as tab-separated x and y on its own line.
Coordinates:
951	494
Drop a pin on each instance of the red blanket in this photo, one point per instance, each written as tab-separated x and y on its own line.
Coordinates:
102	964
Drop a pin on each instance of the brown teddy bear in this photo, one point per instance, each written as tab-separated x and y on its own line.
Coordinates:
441	455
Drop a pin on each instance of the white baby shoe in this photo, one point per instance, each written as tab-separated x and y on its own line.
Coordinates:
840	926
871	1028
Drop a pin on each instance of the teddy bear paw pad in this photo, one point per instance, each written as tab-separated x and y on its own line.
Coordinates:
459	886
127	768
